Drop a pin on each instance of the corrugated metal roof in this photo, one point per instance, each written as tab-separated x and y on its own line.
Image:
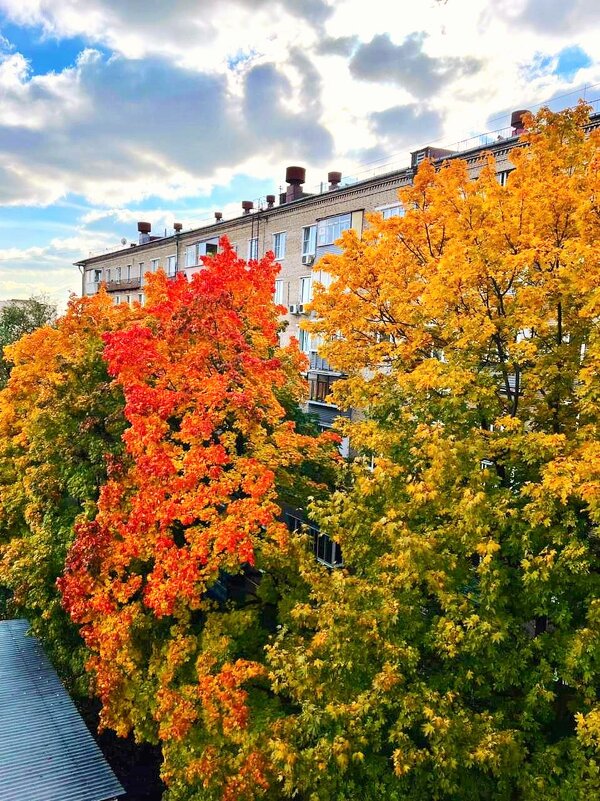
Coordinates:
46	751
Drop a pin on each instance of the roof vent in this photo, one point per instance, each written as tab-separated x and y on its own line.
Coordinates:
177	227
144	229
270	201
218	216
516	121
334	179
247	205
295	177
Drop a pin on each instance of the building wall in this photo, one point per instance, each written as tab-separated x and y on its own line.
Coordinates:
124	277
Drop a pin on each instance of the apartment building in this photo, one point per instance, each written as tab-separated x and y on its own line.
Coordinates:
299	227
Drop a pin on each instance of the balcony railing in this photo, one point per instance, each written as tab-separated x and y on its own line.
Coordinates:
123	284
319	363
323	547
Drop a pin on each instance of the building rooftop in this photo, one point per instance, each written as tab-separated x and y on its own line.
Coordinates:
468	149
46	751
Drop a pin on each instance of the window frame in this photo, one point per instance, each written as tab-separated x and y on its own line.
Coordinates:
328	225
391	207
279	294
253	248
305	280
279	236
194	249
304	342
306	240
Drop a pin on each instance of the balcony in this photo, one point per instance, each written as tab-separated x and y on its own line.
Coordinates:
319	363
325	550
124	284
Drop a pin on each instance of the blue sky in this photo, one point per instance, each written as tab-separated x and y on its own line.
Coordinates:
111	112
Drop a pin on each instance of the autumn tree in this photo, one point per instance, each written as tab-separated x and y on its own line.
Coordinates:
60	421
185	571
20	317
457	655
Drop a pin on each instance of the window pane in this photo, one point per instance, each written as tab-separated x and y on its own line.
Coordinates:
330	230
393	211
304	341
191	255
309	240
279	292
253	248
279	245
305	289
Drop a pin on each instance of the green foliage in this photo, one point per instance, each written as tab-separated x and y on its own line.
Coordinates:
457	655
60	426
20	317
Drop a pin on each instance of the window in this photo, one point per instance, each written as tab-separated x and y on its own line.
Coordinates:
397	210
97	276
330	230
502	177
141	299
118	275
279	293
208	248
153	265
253	248
128	300
279	245
320	387
117	300
304	341
324	548
141	268
309	240
108	275
171	265
191	255
306	289
323	278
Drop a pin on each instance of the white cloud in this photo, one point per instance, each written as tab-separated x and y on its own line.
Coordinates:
169	100
116	130
47	270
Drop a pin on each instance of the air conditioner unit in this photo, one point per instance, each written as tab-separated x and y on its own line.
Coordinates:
308	259
294	308
300	308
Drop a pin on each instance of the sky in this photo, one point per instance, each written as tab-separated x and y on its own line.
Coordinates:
113	111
